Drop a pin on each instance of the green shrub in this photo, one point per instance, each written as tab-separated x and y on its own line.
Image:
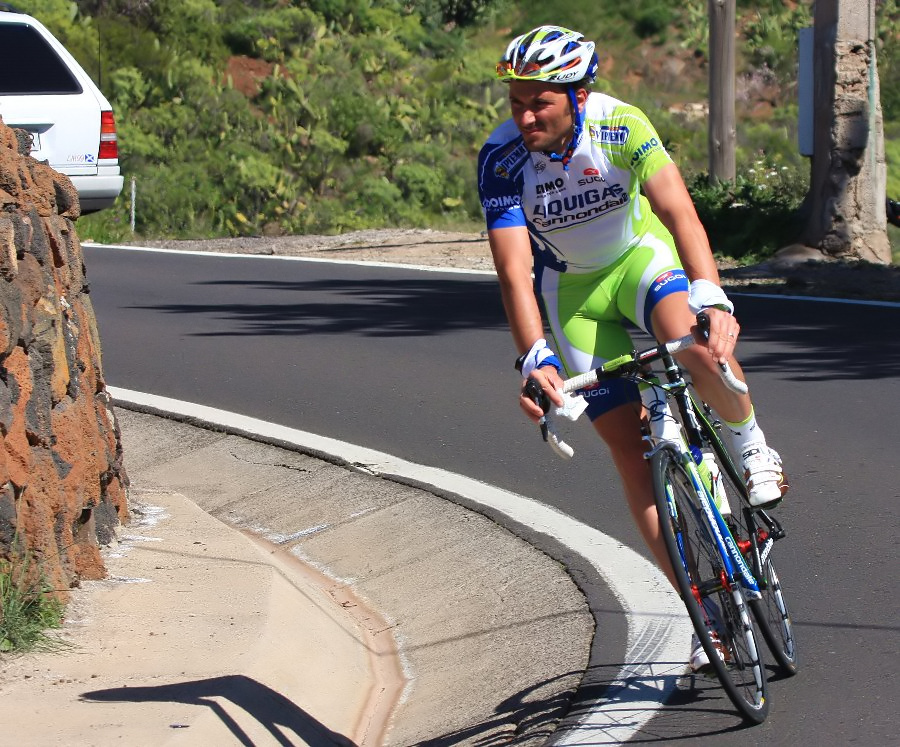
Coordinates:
269	34
756	215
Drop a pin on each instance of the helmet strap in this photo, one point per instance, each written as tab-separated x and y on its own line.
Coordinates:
577	127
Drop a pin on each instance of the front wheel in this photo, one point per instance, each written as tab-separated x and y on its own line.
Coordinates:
715	605
771	611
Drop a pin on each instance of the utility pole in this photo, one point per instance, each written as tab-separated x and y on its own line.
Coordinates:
722	133
846	200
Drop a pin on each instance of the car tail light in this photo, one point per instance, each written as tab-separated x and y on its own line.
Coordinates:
109	141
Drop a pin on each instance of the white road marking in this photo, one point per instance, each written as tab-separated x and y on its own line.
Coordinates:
658	626
291	258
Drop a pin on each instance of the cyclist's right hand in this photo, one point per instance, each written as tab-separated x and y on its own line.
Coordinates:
548	381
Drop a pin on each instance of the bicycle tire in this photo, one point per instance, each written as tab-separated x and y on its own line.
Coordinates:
774	621
771	612
698	570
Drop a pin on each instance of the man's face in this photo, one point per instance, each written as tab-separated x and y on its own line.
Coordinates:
542	113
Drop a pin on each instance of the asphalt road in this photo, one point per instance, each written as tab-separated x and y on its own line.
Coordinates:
419	365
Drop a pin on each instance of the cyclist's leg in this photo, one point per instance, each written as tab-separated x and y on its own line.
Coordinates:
620	429
653	294
587	330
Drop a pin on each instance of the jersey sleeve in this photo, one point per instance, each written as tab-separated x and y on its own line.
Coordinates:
500	183
640	147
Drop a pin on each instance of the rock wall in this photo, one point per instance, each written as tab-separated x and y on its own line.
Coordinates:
62	484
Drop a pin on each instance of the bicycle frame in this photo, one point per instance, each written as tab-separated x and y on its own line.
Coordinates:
762	540
735	566
636	365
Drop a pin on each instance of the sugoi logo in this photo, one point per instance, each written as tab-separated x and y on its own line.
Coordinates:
592	172
594	391
670	276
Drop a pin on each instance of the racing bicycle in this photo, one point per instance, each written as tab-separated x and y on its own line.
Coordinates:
721	554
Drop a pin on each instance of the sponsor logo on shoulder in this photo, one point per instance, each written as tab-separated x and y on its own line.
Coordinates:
667	277
612	134
651	145
509	159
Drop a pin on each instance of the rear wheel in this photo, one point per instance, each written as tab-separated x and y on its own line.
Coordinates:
715	605
770	611
774	621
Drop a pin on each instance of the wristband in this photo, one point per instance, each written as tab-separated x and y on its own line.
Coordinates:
705	294
540	355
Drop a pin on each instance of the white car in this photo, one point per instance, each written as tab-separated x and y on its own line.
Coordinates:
45	91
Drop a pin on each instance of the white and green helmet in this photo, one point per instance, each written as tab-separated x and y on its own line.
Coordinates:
549	53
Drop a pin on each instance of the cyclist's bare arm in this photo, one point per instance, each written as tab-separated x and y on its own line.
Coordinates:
672	204
511	249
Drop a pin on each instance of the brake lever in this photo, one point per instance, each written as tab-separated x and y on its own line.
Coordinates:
535	392
733	383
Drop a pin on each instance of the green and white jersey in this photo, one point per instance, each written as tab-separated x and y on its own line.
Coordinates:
583	218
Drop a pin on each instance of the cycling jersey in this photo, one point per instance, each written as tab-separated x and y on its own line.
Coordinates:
601	255
585	217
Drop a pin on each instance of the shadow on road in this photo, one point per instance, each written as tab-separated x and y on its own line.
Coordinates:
371	307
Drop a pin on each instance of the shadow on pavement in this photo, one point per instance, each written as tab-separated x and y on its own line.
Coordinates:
270	709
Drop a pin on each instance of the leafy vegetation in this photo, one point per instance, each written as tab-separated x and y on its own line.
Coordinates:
27	608
246	117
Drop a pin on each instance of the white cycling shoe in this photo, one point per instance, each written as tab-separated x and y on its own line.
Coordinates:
699	661
763	474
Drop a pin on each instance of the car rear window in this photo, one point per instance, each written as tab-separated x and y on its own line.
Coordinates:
29	65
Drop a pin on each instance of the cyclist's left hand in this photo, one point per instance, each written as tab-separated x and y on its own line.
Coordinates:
723	334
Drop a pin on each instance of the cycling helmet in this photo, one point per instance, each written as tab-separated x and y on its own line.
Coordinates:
549	53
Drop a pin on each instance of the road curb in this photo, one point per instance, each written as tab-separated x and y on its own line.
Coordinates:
494	635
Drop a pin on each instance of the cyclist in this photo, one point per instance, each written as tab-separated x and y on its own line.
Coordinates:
561	185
